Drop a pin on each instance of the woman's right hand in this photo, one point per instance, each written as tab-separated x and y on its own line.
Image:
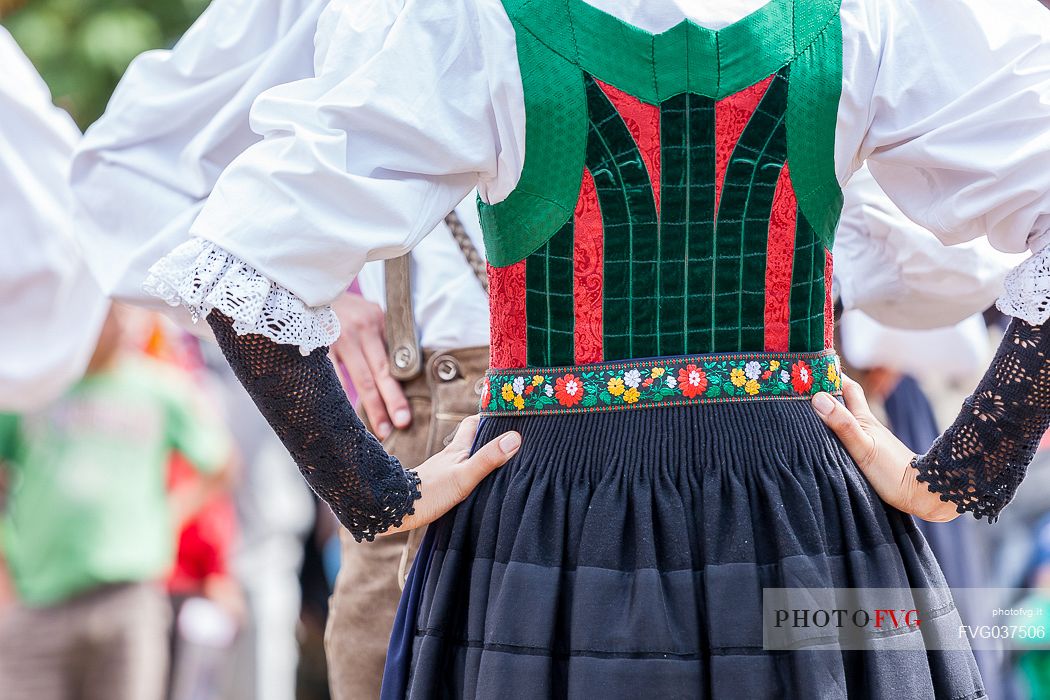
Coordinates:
449	476
883	459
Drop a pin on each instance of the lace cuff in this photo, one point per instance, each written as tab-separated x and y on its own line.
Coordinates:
201	276
979	462
1027	290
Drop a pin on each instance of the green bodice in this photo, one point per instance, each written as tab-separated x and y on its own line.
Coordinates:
679	192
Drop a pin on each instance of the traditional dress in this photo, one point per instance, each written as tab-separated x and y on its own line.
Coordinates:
661	184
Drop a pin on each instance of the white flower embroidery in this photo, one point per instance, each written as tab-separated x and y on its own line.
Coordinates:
803	374
753	370
572	387
548	390
695	378
785	376
519	384
632	378
671	382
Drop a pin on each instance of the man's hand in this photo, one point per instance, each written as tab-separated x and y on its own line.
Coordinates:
361	350
449	476
884	460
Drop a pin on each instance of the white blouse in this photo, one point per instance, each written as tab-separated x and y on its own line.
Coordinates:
52	310
177	119
900	274
413	103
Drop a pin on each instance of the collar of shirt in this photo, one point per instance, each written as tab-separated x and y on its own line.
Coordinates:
656	16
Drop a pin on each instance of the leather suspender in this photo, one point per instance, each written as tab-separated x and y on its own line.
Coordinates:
406	358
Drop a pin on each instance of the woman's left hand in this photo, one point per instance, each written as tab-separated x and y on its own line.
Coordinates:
883	459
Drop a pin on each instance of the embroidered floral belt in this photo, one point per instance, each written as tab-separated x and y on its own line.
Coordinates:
661	381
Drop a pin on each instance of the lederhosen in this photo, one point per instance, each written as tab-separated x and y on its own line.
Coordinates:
661	316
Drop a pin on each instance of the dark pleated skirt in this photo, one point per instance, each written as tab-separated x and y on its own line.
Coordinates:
623	555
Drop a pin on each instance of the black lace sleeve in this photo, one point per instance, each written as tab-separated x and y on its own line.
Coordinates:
302	400
978	463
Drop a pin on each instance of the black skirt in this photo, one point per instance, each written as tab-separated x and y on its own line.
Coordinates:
624	555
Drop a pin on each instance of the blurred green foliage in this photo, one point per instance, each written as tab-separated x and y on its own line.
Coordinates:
82	47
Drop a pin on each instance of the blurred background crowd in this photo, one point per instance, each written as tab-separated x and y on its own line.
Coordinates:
158	459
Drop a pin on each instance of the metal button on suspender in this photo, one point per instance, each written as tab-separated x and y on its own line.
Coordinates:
446	369
404	357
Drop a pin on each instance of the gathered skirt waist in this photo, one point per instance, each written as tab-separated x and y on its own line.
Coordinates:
661	381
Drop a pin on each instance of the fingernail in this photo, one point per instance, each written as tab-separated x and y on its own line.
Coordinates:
383	431
823	404
509	443
402	418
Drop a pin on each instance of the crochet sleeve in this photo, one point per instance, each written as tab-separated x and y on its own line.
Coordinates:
979	462
302	400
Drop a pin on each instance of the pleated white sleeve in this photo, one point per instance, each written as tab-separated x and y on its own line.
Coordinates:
900	274
956	95
51	309
405	114
177	119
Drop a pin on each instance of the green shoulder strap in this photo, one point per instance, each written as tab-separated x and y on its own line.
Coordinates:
559	41
555	146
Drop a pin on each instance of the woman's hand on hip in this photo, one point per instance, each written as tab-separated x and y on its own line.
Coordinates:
449	476
883	459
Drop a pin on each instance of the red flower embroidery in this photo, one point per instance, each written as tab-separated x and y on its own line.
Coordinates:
529	389
767	374
648	382
486	393
692	380
568	390
801	377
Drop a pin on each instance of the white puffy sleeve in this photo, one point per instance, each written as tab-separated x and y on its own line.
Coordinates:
175	122
52	309
900	274
956	128
412	104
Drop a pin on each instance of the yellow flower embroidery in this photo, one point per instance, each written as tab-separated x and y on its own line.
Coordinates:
519	403
508	392
774	365
616	386
833	374
751	387
537	380
631	395
738	377
657	372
